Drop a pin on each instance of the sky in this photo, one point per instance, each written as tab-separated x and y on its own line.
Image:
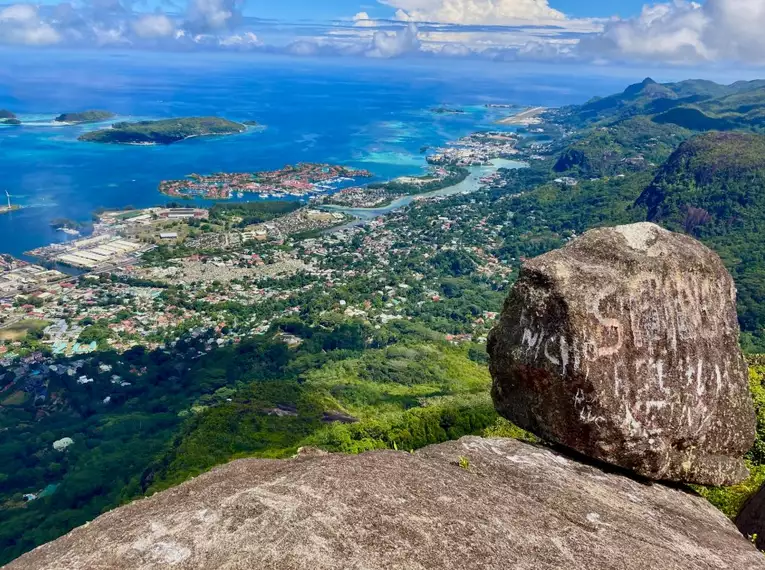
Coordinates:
723	34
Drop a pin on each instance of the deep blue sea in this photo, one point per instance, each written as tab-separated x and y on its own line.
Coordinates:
368	114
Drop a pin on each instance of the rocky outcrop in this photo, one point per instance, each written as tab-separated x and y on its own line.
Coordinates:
751	520
473	504
623	345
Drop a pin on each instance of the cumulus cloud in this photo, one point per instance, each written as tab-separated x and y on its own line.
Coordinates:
363	20
213	15
244	40
686	32
492	12
394	44
21	24
154	26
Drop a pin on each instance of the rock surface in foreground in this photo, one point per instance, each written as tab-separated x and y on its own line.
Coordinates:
515	506
623	345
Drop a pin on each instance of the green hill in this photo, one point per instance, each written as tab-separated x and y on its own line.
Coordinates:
631	145
713	187
165	131
695	104
85	117
6	114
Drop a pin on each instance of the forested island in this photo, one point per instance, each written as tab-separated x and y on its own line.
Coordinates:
85	117
165	131
8	118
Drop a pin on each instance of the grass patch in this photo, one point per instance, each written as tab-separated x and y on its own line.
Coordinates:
19	331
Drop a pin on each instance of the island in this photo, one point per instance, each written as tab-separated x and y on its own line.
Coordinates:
85	117
163	132
301	180
447	111
6	114
14	122
7	209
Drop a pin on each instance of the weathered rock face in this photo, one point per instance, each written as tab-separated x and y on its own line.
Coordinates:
515	506
623	345
751	520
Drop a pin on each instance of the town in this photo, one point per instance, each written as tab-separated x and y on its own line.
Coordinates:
301	180
477	149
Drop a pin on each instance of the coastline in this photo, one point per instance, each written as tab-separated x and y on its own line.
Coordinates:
470	184
524	118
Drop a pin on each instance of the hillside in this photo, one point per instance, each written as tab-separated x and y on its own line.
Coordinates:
713	187
166	131
184	415
85	117
695	104
631	145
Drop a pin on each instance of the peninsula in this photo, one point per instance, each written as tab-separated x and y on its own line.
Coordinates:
85	117
166	131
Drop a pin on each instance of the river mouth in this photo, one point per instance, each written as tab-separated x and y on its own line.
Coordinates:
470	184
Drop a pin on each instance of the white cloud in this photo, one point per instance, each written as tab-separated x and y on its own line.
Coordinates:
485	12
21	24
154	26
212	15
686	32
363	20
394	44
244	40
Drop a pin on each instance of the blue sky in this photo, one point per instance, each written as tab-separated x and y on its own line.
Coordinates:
723	33
336	9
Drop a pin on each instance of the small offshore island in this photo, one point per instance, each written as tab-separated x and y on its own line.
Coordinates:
8	118
165	131
85	117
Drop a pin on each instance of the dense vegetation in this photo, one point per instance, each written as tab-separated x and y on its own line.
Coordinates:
166	131
248	213
627	146
182	414
713	188
695	105
85	117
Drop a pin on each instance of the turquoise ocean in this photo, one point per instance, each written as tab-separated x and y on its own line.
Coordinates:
367	114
